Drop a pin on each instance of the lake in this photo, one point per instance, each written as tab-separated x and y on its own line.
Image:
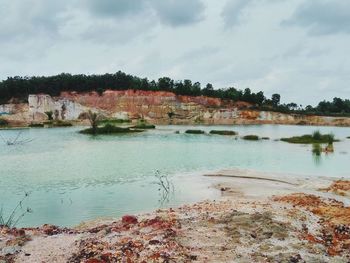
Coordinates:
73	177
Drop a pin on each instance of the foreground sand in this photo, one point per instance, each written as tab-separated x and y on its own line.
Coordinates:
256	220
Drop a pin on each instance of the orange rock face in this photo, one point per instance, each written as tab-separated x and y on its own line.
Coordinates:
158	107
334	218
339	187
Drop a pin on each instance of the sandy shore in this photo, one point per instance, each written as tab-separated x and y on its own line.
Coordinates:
259	218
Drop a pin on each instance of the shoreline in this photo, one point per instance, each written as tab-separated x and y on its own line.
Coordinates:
76	123
252	220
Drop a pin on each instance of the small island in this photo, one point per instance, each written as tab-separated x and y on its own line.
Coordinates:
195	132
109	129
316	137
251	138
223	132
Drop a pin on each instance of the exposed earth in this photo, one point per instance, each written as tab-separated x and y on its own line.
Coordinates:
157	107
292	221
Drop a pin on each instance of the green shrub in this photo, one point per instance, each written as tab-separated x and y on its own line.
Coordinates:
194	132
251	138
223	132
113	121
36	125
109	129
49	115
316	137
3	122
316	149
17	213
265	138
348	137
144	126
62	124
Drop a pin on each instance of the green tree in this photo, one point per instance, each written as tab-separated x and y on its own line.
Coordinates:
275	99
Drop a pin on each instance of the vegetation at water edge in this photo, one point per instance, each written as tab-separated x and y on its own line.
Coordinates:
251	138
113	121
316	137
36	125
109	129
3	122
195	132
223	132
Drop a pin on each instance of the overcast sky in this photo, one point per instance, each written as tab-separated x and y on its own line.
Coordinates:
298	48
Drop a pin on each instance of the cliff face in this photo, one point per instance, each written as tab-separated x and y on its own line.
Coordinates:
156	107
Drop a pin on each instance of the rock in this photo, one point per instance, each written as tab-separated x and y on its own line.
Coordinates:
50	230
295	259
129	219
94	260
10	250
154	242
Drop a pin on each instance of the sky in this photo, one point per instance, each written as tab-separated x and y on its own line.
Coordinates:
298	48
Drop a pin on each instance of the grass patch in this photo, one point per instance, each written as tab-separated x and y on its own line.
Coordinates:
3	122
109	129
113	121
62	124
314	138
251	138
194	132
144	126
36	125
17	213
223	132
58	123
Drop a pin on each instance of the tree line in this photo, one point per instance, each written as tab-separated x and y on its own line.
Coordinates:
19	88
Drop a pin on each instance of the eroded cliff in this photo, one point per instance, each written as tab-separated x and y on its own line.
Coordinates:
156	107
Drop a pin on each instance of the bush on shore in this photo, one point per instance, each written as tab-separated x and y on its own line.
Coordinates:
3	122
316	137
62	124
109	129
144	126
195	132
57	123
36	125
113	121
223	132
251	138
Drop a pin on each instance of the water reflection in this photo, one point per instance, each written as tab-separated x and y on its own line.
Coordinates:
317	151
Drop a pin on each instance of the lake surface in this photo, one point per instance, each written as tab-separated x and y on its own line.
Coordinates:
73	177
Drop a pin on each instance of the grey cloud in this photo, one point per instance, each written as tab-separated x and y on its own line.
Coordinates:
178	12
322	17
169	12
44	37
121	21
117	32
233	10
115	8
23	19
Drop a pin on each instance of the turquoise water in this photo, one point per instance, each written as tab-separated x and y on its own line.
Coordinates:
73	177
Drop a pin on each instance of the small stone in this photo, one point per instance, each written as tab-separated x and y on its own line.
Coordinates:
154	242
129	219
